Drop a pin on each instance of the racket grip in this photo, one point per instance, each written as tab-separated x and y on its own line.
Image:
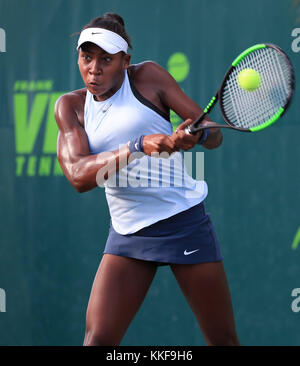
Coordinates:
191	130
187	131
194	127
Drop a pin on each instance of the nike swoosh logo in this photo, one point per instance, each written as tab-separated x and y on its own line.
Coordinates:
96	32
188	253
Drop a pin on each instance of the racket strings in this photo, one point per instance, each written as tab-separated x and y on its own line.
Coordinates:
263	110
252	108
243	101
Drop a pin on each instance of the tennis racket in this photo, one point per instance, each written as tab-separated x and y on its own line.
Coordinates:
253	110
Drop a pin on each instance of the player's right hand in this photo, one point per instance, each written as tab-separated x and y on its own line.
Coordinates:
159	143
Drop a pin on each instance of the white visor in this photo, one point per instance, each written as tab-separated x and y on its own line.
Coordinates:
109	41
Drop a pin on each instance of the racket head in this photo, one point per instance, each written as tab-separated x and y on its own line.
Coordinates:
255	110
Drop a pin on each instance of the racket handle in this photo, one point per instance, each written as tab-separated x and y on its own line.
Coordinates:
193	128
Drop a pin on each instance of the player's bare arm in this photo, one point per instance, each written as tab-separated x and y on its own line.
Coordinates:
79	166
156	84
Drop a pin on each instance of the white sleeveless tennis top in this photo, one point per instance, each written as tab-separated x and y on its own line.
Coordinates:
148	189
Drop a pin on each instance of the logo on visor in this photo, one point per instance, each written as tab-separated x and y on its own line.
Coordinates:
96	32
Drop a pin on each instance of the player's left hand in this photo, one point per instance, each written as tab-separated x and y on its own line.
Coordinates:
181	139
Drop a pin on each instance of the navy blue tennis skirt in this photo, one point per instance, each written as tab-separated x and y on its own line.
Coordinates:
187	237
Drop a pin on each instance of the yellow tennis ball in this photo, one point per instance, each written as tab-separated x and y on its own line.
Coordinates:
249	79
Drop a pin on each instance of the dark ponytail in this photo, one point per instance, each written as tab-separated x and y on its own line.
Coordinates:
110	21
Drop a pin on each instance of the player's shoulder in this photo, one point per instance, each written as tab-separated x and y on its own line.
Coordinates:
148	70
72	100
69	108
147	65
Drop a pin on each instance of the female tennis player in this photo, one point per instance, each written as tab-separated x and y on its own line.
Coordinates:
123	112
